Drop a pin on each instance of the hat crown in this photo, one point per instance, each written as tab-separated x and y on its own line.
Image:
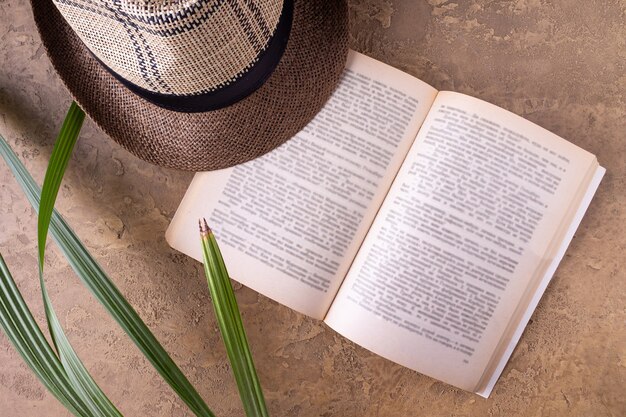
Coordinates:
175	47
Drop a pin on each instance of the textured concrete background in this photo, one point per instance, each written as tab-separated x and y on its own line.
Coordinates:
560	64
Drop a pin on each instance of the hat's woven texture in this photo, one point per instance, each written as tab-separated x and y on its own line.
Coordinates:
175	47
299	86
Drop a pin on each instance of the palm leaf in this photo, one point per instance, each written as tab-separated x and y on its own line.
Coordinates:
91	274
231	326
24	333
81	380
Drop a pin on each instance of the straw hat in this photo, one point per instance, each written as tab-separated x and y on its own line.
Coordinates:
197	84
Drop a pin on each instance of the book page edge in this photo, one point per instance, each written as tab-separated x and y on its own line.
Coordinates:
584	205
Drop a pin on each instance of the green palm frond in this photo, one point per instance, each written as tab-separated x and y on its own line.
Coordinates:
62	372
231	326
24	333
64	375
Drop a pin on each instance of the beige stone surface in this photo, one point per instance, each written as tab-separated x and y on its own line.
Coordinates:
559	63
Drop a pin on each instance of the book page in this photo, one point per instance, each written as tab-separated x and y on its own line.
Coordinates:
491	376
290	222
468	226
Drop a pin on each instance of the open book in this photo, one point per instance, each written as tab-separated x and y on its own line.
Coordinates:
422	225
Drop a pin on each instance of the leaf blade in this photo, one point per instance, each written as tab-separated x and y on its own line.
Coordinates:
23	332
231	327
78	376
99	284
68	135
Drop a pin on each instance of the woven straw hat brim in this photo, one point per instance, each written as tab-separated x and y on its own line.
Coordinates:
302	82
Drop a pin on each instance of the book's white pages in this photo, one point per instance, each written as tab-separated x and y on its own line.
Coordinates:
486	389
290	223
465	242
423	226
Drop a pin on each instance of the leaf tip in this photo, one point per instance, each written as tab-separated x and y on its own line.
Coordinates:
205	230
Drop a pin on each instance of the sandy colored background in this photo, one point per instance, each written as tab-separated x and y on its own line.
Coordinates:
560	64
